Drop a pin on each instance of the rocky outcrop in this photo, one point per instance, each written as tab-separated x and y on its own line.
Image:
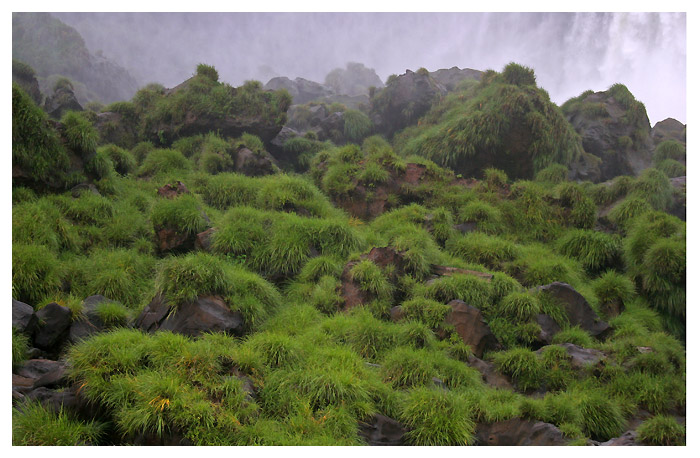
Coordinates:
43	373
489	374
471	327
301	90
580	357
25	77
54	327
668	129
577	309
451	77
254	164
548	328
382	430
62	100
23	318
404	100
615	129
205	314
116	129
89	321
354	79
517	431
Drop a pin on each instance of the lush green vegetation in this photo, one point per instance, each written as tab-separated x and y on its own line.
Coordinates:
506	122
287	252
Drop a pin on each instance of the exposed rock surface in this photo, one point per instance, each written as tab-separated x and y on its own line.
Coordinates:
616	134
89	321
354	79
63	99
404	100
170	191
548	328
382	430
580	357
471	327
519	432
23	317
577	309
43	373
114	128
301	90
489	374
451	77
668	129
54	326
254	165
206	314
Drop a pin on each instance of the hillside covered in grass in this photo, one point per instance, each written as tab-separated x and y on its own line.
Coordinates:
212	265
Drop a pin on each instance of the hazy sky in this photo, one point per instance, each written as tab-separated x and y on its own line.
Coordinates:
570	52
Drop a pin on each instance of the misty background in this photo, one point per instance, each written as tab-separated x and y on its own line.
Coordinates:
570	52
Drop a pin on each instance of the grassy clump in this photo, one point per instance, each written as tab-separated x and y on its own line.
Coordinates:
467	131
437	417
522	365
162	161
34	425
36	147
602	418
20	346
669	149
671	168
614	287
479	248
80	135
555	173
661	430
182	213
596	251
35	272
182	279
356	125
123	160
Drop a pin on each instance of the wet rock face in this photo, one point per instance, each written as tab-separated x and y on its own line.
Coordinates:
519	432
89	321
577	309
489	374
301	90
405	99
623	145
668	129
25	77
206	314
54	326
23	317
254	165
451	77
471	327
63	99
382	430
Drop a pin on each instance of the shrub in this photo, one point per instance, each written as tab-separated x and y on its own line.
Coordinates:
429	312
495	179
371	279
436	417
208	71
33	424
661	430
627	210
653	186
467	288
112	314
574	335
141	150
276	350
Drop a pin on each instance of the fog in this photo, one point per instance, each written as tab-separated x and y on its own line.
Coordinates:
570	52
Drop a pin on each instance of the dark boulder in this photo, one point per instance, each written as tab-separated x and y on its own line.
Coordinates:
580	357
332	128
519	432
548	328
489	374
54	326
203	240
471	327
89	322
44	373
254	164
23	317
629	438
382	430
276	145
577	309
206	314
